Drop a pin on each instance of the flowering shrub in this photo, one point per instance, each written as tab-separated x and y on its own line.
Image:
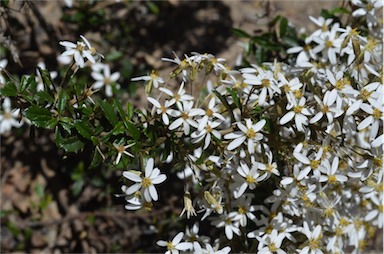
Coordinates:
281	157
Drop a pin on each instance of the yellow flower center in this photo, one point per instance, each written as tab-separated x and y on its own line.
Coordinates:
184	115
325	109
266	82
314	244
241	210
209	129
146	182
170	246
250	179
251	134
272	247
315	164
365	94
332	179
377	114
329	44
298	109
209	112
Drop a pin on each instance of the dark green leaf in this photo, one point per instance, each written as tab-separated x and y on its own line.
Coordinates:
117	104
133	131
46	78
96	159
118	129
26	82
109	112
235	98
283	26
9	89
39	116
226	104
62	101
153	7
72	144
130	111
240	33
83	128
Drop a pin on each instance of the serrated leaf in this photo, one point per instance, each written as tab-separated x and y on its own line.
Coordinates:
133	131
62	101
119	109
46	78
9	89
26	82
83	128
130	111
96	159
109	112
71	145
118	129
39	116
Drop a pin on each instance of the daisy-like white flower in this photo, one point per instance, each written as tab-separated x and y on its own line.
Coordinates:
207	131
185	117
179	97
329	44
249	132
330	176
369	9
106	79
8	118
313	245
325	109
164	110
79	51
121	149
210	113
147	182
153	79
374	119
251	177
229	223
289	86
298	111
271	243
266	80
176	245
271	166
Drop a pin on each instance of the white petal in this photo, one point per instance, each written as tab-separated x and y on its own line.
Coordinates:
177	238
236	143
131	176
287	117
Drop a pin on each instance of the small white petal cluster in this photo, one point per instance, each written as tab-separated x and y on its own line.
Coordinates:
288	157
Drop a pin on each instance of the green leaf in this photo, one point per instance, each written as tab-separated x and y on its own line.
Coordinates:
83	128
135	133
26	82
9	89
226	104
283	26
117	105
118	129
62	101
235	98
109	112
130	111
71	145
46	78
96	159
39	116
240	33
153	7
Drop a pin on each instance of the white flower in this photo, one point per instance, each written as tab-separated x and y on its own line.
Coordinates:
299	112
249	132
330	172
174	246
329	44
210	113
122	150
153	79
106	79
164	110
251	177
179	97
8	118
3	64
313	245
79	51
266	80
185	117
207	131
229	223
325	109
271	243
151	177
374	119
